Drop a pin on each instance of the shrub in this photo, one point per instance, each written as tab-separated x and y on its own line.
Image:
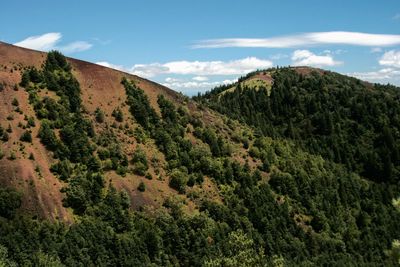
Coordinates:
141	187
139	156
63	169
26	137
99	114
5	137
47	136
122	170
178	180
12	156
10	201
139	168
15	102
31	122
117	114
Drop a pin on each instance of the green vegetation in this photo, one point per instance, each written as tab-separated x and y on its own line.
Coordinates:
141	187
118	115
99	114
10	201
15	102
26	137
327	114
299	205
139	160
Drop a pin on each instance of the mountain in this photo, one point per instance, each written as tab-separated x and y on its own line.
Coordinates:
101	167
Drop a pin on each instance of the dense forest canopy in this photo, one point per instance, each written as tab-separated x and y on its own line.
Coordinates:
324	192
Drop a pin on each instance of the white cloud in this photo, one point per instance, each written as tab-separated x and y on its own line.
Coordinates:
391	59
199	68
200	78
396	17
233	67
305	39
148	70
75	47
172	80
49	41
196	85
43	42
391	72
380	75
278	56
376	50
109	65
307	58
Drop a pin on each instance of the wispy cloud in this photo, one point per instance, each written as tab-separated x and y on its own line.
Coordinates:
391	71
75	47
42	42
305	39
49	41
307	58
396	17
199	68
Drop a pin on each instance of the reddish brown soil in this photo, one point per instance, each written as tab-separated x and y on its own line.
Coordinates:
101	88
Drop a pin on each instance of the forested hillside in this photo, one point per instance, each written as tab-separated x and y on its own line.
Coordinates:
278	193
340	118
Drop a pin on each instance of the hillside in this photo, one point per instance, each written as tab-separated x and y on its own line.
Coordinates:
100	88
340	118
103	168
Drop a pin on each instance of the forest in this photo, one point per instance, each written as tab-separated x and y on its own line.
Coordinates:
328	144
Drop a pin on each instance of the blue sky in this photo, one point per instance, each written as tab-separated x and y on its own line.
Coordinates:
192	46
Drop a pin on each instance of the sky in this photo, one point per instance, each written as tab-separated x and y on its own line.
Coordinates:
193	46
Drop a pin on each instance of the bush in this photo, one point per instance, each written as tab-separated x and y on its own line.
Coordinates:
12	156
99	114
122	170
140	164
149	176
117	114
5	137
47	136
141	187
63	169
139	156
139	168
178	180
10	201
31	122
15	102
26	137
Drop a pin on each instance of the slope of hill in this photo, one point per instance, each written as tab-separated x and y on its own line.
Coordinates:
100	167
341	118
100	88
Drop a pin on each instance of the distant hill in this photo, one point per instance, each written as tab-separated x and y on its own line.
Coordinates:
288	166
340	118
